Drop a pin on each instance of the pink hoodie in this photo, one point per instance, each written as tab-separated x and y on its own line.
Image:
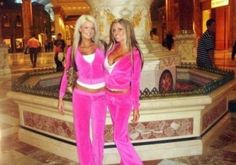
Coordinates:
89	73
126	75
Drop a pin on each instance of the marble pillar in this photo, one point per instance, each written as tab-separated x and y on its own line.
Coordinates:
197	24
172	17
1	38
232	22
185	40
186	15
4	66
59	22
27	19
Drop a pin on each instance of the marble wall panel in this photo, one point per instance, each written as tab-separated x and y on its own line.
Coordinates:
140	131
49	124
213	114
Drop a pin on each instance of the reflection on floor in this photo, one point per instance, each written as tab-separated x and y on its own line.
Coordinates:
222	150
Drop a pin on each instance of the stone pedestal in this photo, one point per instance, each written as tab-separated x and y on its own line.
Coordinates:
4	67
137	12
185	45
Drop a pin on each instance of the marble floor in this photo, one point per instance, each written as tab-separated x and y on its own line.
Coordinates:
221	151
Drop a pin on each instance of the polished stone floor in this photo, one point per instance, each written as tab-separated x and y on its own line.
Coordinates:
221	151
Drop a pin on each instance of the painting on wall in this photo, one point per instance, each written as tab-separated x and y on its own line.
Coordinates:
19	43
7	42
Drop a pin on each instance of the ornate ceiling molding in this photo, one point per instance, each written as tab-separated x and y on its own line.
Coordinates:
72	7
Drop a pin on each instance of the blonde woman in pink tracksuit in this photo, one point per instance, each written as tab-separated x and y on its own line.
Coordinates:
123	65
88	97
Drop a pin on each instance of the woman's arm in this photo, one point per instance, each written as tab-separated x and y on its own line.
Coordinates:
63	85
135	79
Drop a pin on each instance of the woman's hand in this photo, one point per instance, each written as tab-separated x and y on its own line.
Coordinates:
60	106
136	116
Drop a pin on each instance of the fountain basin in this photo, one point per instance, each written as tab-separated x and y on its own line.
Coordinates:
171	125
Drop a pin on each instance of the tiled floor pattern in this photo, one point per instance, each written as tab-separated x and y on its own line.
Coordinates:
222	150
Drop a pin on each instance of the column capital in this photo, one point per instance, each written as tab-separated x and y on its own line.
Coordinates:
58	9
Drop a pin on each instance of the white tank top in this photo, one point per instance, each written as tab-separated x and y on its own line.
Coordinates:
89	57
91	86
108	66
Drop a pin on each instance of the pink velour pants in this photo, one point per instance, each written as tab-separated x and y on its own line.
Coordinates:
89	107
120	107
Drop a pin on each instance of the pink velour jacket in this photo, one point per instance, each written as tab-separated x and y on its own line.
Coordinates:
89	73
126	74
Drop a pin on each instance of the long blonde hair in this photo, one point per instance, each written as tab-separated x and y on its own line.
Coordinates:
130	39
77	36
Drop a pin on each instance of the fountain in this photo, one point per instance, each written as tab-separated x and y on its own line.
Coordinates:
178	119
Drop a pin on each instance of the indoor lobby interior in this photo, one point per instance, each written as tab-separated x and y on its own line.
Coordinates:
215	141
